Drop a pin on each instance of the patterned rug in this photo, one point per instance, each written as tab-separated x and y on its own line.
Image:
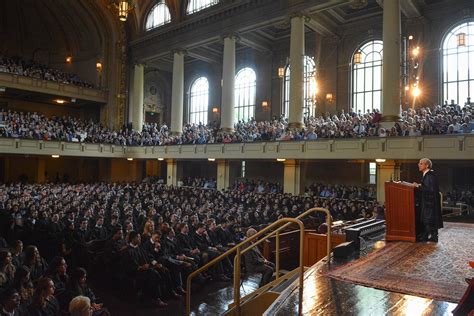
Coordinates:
429	270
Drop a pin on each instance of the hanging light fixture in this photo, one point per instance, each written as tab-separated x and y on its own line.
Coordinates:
124	7
357	57
461	37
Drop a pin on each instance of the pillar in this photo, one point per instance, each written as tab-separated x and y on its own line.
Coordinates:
177	92
137	98
228	84
41	170
172	172
295	118
386	171
391	63
223	175
291	177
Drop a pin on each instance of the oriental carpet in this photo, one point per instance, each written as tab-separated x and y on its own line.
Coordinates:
432	270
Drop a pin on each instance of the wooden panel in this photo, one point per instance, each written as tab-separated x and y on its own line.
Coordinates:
315	246
400	212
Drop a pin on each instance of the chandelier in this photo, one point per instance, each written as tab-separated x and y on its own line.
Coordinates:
124	7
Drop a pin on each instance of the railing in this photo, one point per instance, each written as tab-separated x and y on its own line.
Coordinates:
239	252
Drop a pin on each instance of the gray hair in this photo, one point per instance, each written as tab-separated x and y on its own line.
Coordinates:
80	306
427	162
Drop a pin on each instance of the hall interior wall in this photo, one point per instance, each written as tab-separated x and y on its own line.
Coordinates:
85	112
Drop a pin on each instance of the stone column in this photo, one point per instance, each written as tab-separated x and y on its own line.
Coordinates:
223	175
386	171
137	97
172	172
228	84
295	117
391	63
291	177
177	92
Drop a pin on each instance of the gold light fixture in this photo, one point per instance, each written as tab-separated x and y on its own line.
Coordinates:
264	104
416	92
357	57
98	66
461	39
410	37
124	7
329	97
416	51
69	59
215	110
281	72
60	101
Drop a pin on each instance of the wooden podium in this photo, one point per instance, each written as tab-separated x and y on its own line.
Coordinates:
400	211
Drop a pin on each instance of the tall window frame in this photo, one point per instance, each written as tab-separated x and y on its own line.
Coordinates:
198	5
245	94
199	101
366	77
159	15
458	63
310	88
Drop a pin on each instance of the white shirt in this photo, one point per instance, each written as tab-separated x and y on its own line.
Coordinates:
425	172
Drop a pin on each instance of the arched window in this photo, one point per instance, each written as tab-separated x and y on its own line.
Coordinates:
245	90
367	77
310	88
458	63
159	15
198	5
199	101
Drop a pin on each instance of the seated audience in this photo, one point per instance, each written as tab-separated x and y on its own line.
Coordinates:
255	262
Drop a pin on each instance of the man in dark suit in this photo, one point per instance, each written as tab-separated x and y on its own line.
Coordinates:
429	210
255	262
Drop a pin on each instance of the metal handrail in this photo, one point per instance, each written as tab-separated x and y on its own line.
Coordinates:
239	252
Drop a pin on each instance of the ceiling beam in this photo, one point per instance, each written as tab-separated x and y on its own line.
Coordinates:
256	42
321	25
205	55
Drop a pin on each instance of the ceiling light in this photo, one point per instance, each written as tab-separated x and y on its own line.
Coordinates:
69	59
416	51
211	159
380	160
54	156
416	92
60	101
130	159
161	159
281	159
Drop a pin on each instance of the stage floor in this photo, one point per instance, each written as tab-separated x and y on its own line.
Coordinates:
328	296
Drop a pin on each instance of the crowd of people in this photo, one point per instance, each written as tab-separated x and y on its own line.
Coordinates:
146	236
438	120
30	68
257	186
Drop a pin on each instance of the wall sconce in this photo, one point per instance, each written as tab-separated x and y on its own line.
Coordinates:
281	72
461	39
329	97
410	37
357	57
264	104
215	110
69	59
416	51
98	66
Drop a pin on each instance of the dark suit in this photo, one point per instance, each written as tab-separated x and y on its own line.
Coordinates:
429	210
255	262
